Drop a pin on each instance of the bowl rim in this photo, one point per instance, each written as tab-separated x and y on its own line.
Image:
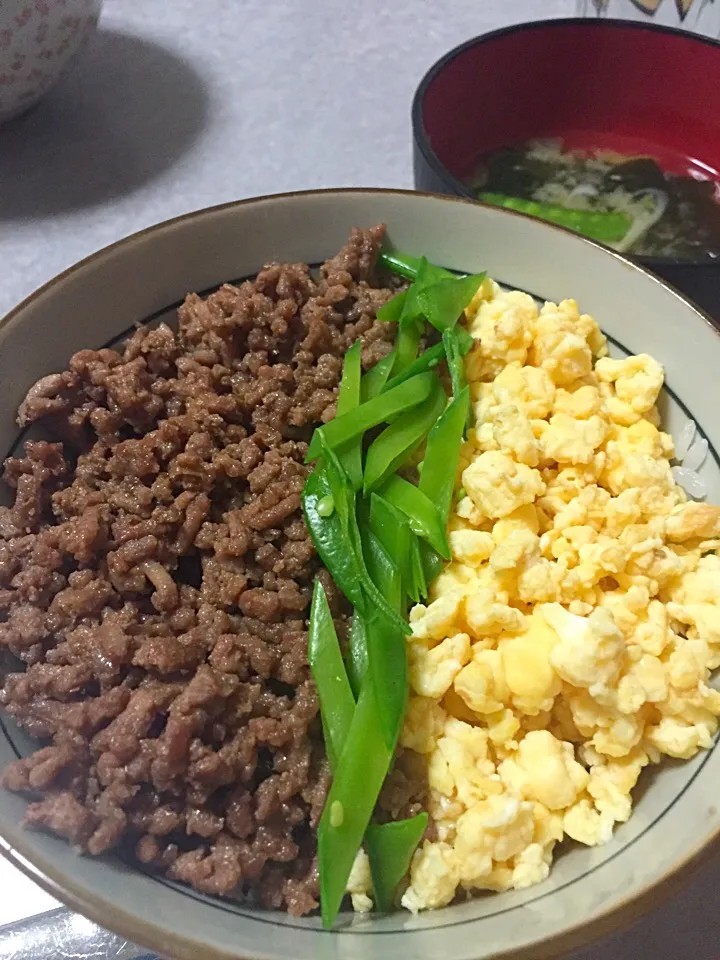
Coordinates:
422	140
155	936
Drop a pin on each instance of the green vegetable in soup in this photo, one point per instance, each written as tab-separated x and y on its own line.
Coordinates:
670	214
603	227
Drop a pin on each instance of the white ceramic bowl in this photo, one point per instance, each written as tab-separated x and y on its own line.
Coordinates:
38	39
145	276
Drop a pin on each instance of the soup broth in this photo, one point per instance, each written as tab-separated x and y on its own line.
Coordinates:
628	203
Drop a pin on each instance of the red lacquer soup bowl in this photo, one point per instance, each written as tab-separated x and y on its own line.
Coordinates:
595	84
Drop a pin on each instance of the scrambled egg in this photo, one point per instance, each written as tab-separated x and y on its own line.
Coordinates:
569	642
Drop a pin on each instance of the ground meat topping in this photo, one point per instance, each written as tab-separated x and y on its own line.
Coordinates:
155	579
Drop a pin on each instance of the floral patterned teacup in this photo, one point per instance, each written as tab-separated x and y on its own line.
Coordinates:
38	39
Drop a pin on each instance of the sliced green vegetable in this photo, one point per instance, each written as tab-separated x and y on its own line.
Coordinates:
429	273
375	379
413	268
349	391
384	625
403	309
424	516
361	770
405	306
406	346
427	360
401	439
387	671
442	454
392	529
432	563
390	847
419	581
604	227
380	549
337	538
401	263
411	312
329	533
385	644
465	340
378	410
391	311
357	657
337	703
341	493
349	399
383	570
443	303
372	598
436	293
456	367
384	628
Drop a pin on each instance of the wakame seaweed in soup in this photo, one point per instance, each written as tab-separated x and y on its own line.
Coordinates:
628	203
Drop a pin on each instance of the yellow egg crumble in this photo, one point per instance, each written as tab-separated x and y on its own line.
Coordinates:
570	640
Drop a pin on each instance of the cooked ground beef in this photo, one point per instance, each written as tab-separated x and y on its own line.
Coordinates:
155	577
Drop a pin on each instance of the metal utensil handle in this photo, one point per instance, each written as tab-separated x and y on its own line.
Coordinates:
61	933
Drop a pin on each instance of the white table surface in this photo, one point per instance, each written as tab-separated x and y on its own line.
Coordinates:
179	104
